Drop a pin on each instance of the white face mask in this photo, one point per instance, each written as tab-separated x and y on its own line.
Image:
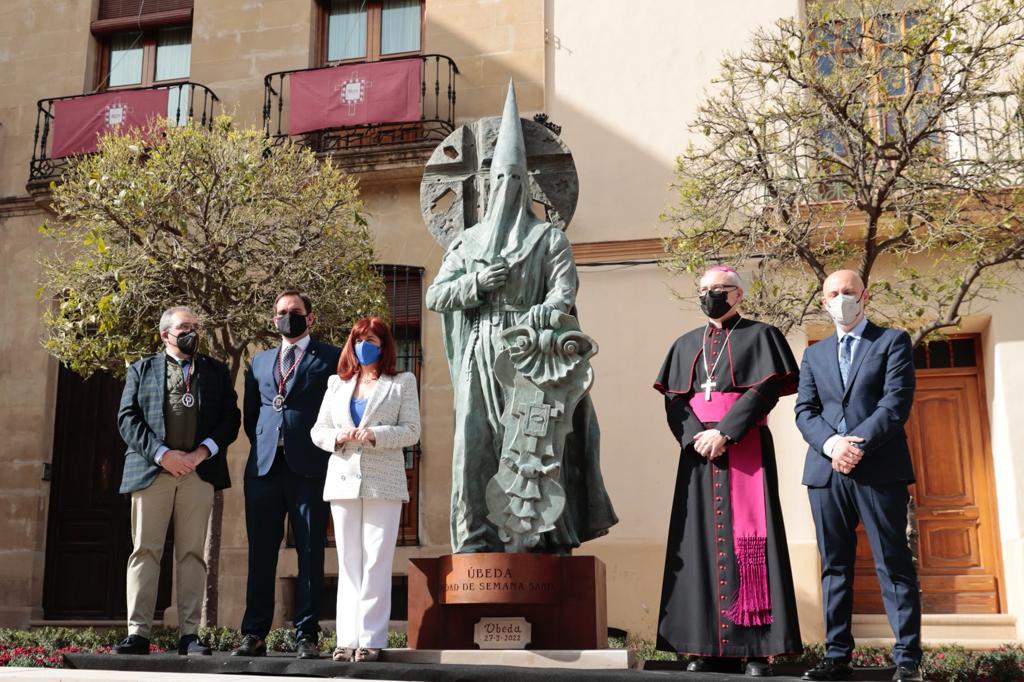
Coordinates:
845	308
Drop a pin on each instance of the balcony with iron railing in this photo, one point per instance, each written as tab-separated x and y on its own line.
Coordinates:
69	126
389	112
982	136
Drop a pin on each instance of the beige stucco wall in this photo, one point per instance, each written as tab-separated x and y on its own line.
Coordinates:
1004	367
623	100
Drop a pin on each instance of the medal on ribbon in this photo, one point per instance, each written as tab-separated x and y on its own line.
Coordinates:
278	401
188	400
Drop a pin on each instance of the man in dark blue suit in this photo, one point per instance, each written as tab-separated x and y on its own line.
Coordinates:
285	474
856	391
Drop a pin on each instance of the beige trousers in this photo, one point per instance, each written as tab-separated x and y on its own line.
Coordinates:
188	500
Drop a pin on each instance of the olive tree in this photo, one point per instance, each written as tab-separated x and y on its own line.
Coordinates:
215	218
866	133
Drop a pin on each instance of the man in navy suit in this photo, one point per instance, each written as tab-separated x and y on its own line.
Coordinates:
856	391
285	474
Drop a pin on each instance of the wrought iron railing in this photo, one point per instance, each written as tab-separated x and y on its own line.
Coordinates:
437	120
184	101
983	135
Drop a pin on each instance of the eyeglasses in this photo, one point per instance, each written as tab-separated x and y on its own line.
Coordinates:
717	289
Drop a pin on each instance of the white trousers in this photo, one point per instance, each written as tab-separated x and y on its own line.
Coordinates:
365	531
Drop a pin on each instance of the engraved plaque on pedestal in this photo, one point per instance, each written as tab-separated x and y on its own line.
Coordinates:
495	578
561	598
502	633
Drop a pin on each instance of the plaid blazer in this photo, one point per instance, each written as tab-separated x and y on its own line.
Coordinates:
140	419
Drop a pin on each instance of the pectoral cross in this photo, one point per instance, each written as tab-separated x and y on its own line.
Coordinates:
707	386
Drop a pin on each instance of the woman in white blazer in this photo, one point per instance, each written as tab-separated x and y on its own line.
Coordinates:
369	413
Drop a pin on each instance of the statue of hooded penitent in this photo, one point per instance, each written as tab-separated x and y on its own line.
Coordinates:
507	290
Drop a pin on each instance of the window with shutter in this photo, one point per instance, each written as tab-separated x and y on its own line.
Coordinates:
145	42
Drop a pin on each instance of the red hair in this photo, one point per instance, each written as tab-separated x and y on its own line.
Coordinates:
348	365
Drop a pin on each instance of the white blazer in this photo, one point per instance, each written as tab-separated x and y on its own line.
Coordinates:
359	469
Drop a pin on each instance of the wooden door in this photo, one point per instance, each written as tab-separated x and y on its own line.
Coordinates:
959	560
88	528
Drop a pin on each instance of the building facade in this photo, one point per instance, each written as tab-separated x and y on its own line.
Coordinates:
621	79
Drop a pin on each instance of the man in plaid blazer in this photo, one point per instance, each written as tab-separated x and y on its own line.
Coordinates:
178	415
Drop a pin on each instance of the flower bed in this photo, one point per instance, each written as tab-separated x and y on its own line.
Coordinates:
45	648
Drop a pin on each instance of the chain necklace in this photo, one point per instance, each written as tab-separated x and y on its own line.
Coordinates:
710	382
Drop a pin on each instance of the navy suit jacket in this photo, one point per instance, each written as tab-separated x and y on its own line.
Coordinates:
876	403
263	423
140	419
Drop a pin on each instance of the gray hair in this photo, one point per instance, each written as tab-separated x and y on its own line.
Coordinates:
168	316
734	277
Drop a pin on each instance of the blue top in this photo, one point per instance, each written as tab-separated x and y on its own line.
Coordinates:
357	408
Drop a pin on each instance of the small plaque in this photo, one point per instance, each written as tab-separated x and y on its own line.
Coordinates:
502	633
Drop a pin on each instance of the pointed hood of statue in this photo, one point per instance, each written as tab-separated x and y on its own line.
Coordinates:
509	148
509	230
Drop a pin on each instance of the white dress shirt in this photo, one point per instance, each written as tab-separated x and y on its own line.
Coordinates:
856	334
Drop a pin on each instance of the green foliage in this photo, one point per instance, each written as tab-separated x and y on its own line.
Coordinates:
217	219
44	647
280	639
864	134
397	640
221	638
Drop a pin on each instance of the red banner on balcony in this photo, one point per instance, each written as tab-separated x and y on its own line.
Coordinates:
78	122
355	94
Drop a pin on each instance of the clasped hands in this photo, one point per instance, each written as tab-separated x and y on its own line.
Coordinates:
846	454
495	276
710	444
492	277
356	434
180	463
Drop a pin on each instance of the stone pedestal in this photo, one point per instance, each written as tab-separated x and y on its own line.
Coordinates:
562	597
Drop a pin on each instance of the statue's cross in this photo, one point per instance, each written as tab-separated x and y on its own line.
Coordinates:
453	193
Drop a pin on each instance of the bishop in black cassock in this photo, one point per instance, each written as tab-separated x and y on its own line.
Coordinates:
728	588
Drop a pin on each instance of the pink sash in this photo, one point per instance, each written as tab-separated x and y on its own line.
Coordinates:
753	603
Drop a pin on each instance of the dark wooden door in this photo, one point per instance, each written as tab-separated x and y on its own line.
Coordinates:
958	538
88	529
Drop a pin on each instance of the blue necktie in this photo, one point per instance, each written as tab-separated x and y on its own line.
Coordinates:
844	357
844	369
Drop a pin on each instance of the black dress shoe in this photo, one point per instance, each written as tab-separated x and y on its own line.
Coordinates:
699	664
758	667
306	647
251	646
830	669
132	644
907	673
191	645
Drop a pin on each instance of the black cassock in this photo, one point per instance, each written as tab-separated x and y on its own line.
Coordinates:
702	577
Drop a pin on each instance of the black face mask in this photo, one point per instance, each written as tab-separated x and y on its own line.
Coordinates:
715	304
188	343
291	325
